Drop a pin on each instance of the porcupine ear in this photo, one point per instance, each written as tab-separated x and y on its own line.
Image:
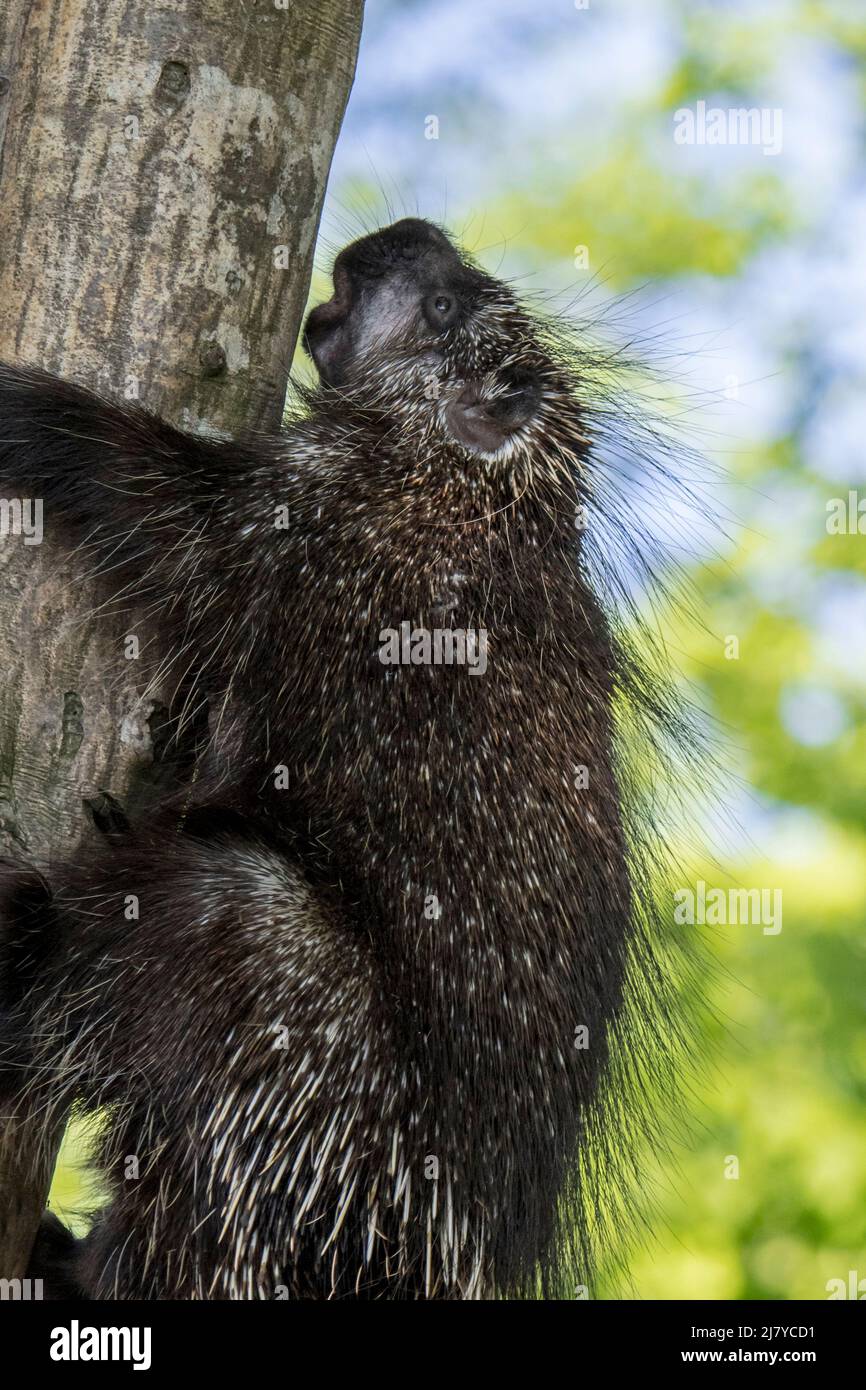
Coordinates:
485	414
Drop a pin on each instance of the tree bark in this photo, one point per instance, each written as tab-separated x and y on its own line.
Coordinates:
162	170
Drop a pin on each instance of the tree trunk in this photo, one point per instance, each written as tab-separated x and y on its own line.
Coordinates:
162	170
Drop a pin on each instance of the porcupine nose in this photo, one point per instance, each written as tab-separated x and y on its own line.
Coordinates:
393	247
415	232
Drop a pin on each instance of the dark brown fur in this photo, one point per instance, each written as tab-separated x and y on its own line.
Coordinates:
420	1133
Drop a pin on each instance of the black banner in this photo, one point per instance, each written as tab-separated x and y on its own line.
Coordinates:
258	1339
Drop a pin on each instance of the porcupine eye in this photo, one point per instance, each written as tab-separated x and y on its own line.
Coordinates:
441	310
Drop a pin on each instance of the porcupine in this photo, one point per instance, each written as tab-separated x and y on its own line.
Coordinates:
364	1033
